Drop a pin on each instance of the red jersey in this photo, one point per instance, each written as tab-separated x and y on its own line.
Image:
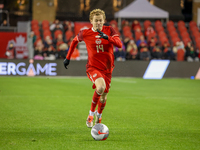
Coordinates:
100	51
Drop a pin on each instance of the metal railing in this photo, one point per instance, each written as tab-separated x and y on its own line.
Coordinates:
8	29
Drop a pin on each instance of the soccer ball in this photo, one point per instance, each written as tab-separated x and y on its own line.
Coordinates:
100	132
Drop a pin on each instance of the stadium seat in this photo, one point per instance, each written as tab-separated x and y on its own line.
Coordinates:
192	24
45	27
162	34
45	22
194	29
175	39
126	28
69	34
127	33
147	23
171	28
163	40
196	34
34	22
159	28
34	27
158	23
182	28
137	35
113	22
36	32
186	40
56	33
46	33
170	23
184	34
173	34
181	23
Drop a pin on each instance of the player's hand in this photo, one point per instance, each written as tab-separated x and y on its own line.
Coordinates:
102	35
66	63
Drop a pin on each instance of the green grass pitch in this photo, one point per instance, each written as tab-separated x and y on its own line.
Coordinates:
49	113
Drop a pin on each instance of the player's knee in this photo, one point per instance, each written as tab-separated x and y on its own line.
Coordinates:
100	85
101	89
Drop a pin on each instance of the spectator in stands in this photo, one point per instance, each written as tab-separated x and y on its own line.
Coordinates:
67	25
167	52
151	44
57	27
191	54
38	53
125	23
10	52
49	50
5	23
49	54
145	54
56	23
69	33
47	42
179	51
136	25
58	41
131	51
33	36
62	51
120	53
157	53
141	42
126	42
150	31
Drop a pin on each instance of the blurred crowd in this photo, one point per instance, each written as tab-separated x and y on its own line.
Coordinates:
54	42
141	41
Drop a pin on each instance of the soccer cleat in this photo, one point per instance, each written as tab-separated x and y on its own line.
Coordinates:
89	121
98	119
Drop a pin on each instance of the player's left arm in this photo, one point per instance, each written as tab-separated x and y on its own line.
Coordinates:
115	40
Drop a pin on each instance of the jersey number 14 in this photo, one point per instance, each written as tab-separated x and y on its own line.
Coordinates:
99	48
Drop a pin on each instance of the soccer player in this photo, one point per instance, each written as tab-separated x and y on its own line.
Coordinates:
99	42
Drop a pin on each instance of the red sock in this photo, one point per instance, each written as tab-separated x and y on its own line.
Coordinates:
95	100
101	107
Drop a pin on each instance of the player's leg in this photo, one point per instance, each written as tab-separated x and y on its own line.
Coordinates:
101	106
103	99
100	87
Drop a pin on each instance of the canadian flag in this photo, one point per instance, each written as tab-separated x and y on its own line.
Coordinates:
20	46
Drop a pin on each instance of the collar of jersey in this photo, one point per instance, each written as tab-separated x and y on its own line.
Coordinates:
94	30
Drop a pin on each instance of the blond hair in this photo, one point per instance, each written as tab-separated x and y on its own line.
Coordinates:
97	12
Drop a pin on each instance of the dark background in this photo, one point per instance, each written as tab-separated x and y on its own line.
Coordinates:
67	9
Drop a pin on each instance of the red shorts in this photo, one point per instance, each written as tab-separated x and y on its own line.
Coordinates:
94	74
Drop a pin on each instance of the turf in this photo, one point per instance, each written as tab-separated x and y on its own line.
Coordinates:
49	114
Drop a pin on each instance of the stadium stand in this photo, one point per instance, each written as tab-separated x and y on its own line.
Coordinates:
156	33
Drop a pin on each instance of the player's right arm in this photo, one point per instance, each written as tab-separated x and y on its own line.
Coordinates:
73	45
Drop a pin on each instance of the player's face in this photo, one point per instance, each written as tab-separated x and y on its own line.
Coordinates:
97	22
